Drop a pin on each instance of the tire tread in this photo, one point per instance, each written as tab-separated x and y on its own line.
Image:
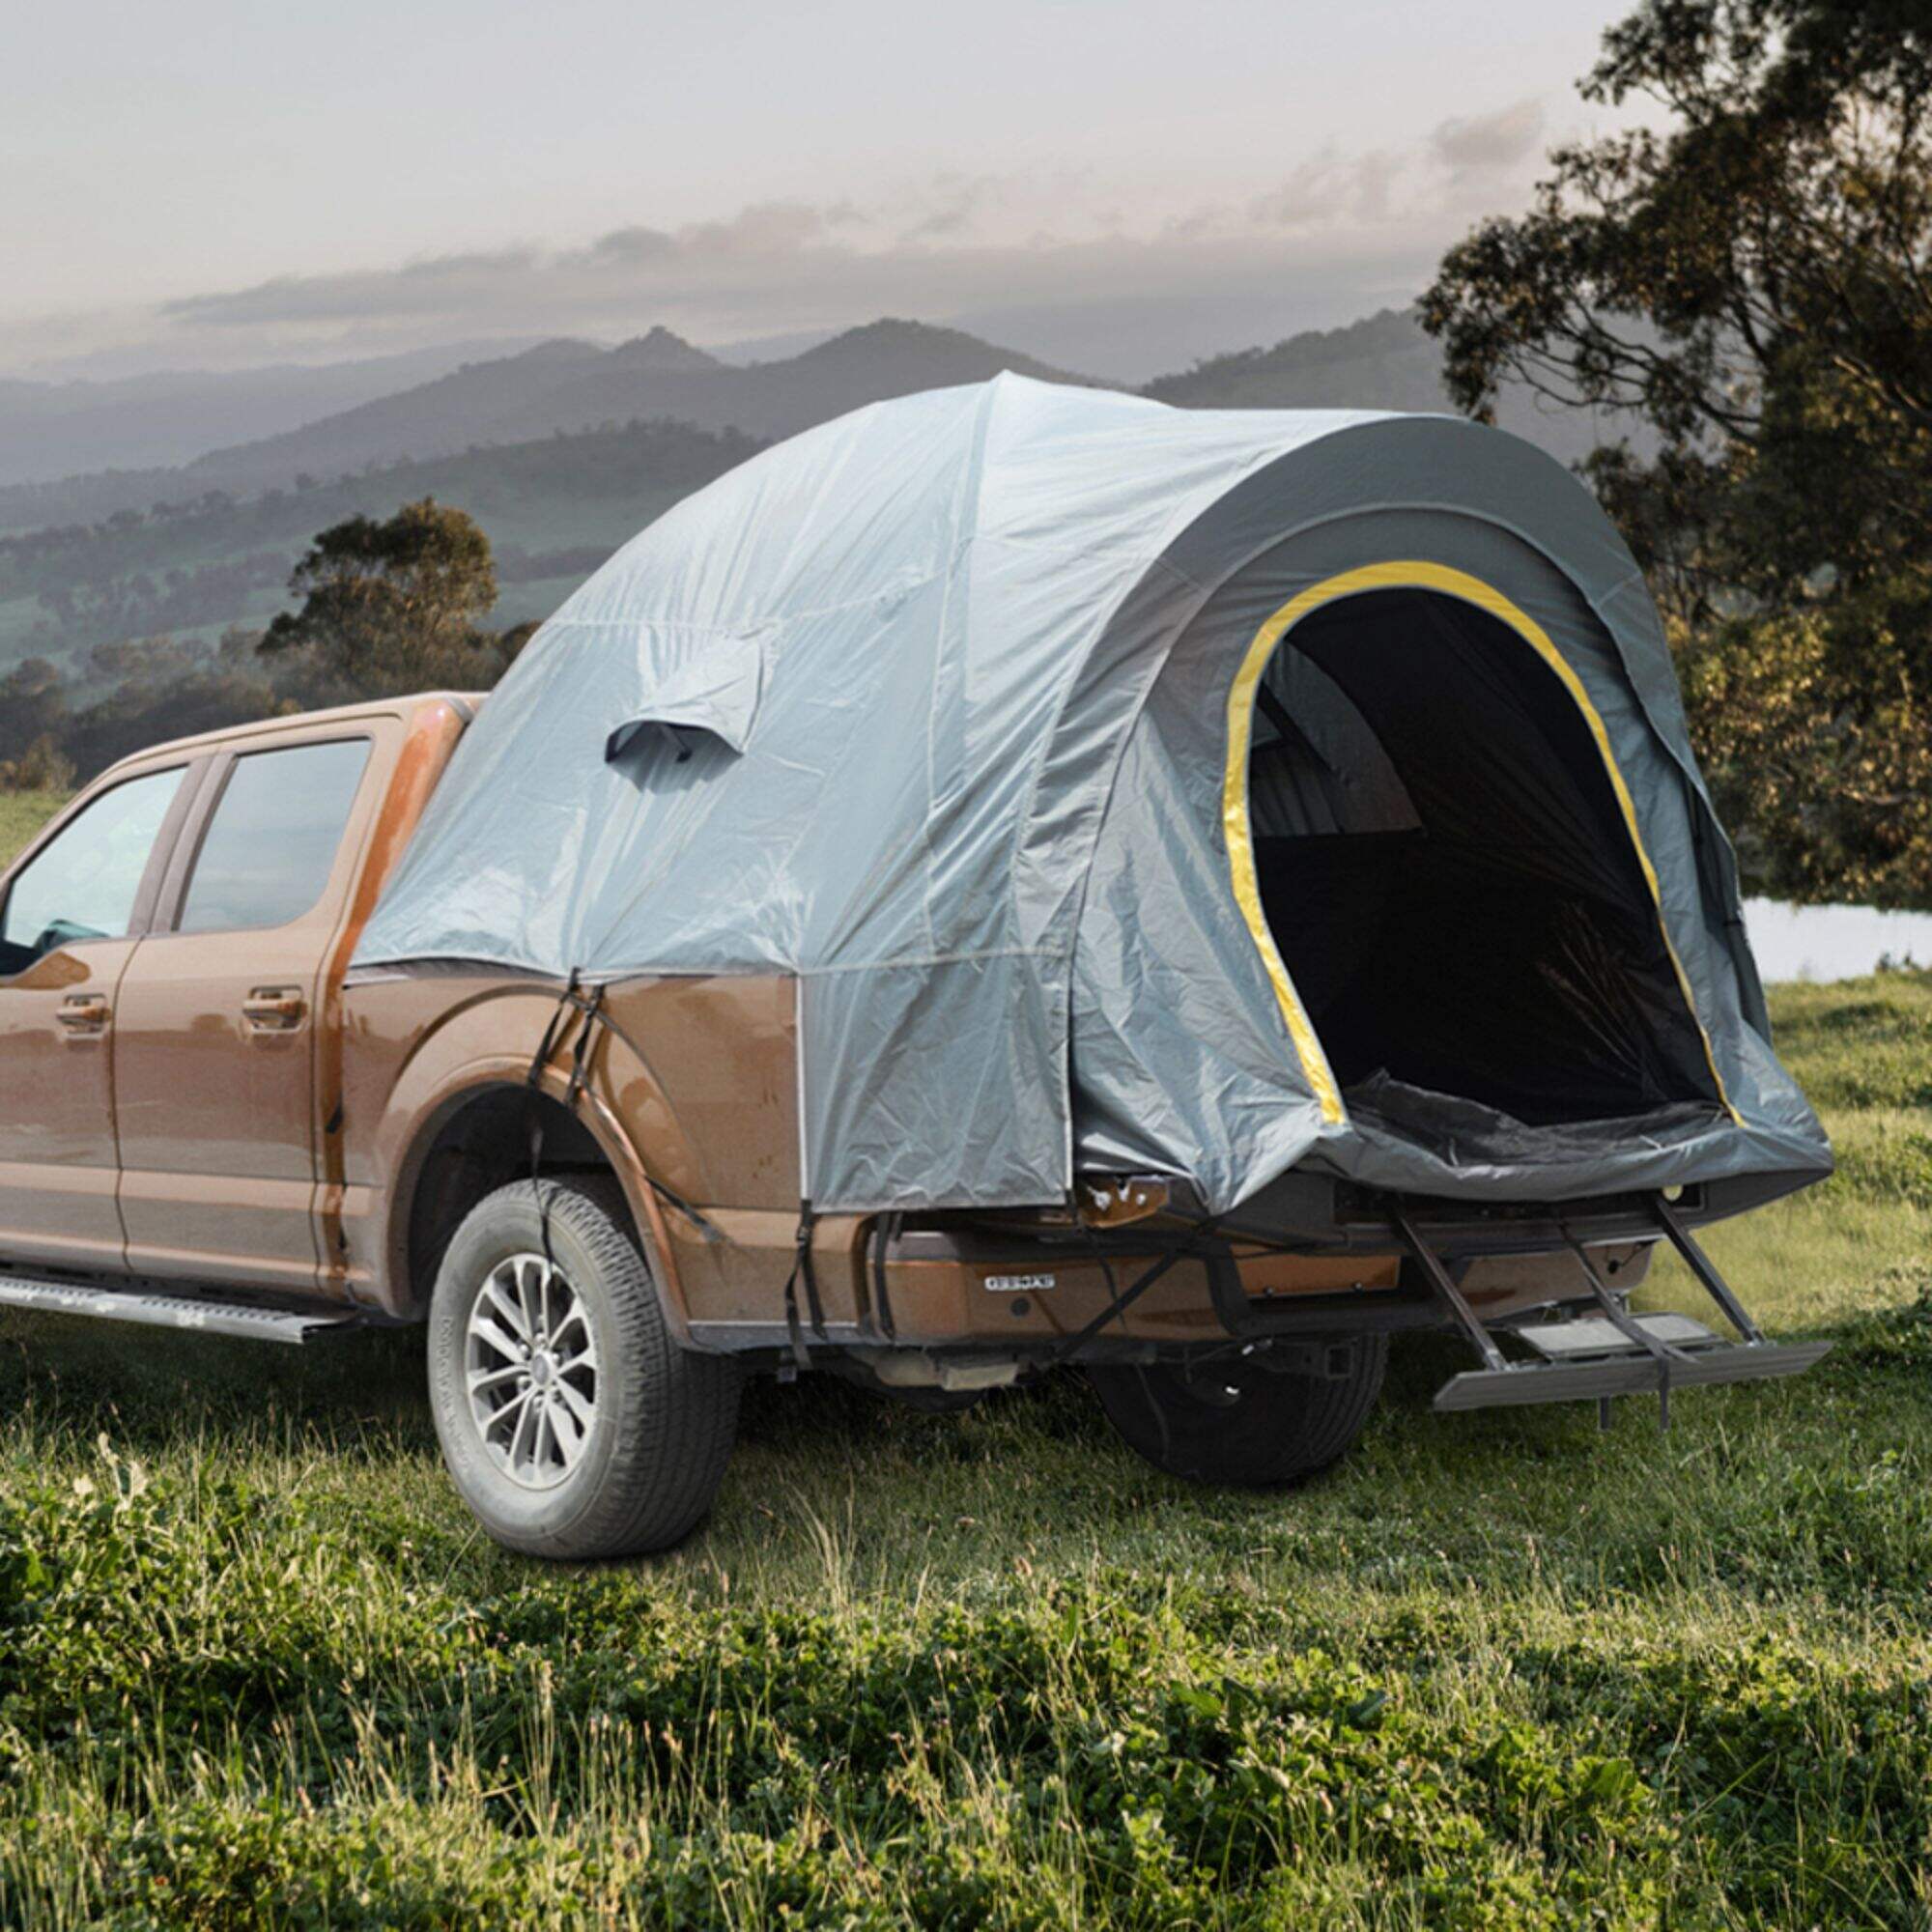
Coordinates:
679	1410
1312	1421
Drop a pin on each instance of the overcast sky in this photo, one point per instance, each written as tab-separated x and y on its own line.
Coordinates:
199	184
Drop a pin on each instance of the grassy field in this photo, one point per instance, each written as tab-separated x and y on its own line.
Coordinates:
22	814
258	1668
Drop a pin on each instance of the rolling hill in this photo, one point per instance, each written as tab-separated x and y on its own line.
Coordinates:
64	428
553	509
563	386
1381	363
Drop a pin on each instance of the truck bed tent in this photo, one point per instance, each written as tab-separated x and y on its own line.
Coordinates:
1204	793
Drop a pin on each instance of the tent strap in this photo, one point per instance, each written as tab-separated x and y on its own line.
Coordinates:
803	1269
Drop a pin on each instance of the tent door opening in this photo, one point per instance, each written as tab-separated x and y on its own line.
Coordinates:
1453	885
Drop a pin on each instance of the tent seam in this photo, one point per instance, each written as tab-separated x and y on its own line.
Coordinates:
776	968
791	617
966	499
935	959
1052	732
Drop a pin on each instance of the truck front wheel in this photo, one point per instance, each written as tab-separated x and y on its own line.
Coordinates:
1246	1421
572	1423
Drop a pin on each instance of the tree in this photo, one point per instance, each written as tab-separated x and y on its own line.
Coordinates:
1754	282
41	767
394	604
33	706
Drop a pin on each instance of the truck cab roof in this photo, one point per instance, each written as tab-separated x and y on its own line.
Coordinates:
408	706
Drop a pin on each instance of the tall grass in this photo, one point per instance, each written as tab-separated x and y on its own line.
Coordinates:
257	1667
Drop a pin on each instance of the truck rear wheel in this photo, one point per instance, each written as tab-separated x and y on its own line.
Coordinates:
1241	1422
572	1423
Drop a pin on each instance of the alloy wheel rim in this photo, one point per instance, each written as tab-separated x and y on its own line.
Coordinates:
530	1371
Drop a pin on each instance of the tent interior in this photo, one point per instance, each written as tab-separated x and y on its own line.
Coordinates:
1451	881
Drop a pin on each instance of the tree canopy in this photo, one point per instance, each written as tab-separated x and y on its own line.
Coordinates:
388	605
1752	281
395	604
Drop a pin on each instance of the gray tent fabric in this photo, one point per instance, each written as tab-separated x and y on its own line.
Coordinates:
950	687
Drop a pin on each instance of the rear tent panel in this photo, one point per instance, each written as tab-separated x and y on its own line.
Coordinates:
1460	912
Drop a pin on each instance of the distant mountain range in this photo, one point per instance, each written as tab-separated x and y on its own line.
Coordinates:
555	388
563	386
561	449
132	443
49	430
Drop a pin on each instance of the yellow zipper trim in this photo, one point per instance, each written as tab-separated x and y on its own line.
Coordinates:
1239	830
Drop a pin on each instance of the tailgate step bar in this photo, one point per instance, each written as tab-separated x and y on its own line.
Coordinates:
1615	1353
1624	1374
1580	1340
166	1308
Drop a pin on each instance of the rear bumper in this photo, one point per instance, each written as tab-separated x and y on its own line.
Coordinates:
1316	1266
1312	1259
980	1280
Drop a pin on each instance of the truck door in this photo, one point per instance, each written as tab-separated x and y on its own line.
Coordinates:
68	916
214	1054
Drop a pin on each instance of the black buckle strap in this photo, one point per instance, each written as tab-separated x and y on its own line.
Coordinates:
570	1001
592	1010
1120	1304
886	1234
566	1002
803	1269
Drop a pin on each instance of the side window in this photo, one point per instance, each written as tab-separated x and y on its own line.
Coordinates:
83	885
270	847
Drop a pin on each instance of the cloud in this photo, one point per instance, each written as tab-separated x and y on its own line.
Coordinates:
634	247
952	245
761	249
1332	188
798	270
436	286
1485	144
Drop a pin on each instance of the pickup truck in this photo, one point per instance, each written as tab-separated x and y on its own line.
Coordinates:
590	1195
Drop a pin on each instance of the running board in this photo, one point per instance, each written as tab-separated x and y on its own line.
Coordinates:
159	1308
1615	1353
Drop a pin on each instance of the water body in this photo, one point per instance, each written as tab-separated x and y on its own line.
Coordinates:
1833	942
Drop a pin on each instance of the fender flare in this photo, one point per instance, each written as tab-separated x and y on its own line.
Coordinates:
504	1073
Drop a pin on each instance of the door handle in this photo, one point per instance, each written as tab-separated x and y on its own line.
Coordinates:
84	1015
273	1009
